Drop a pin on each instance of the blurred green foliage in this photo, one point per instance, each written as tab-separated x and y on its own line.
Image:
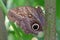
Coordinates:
15	33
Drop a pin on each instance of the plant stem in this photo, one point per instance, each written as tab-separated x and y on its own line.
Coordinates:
2	6
50	20
3	31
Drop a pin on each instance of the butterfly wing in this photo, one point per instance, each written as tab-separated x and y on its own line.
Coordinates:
41	15
28	18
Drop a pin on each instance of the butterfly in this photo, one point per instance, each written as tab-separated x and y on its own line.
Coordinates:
30	19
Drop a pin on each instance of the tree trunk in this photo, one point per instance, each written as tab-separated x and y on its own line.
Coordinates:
50	20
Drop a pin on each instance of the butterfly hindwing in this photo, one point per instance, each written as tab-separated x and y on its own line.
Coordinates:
28	18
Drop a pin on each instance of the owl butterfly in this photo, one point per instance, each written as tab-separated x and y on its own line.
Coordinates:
30	19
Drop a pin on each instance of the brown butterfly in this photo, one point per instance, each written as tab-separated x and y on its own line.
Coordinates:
30	19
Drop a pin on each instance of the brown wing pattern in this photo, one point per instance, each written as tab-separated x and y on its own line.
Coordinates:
28	18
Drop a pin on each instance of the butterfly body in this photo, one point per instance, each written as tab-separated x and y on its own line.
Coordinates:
30	19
